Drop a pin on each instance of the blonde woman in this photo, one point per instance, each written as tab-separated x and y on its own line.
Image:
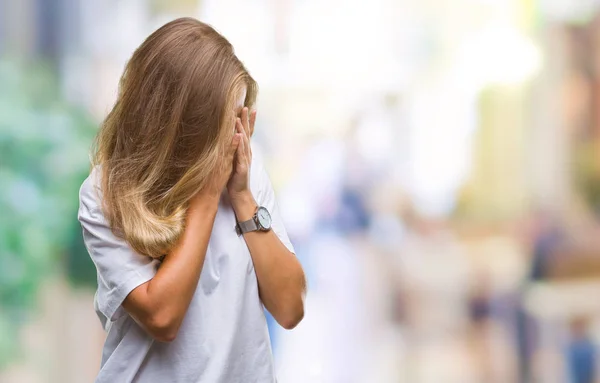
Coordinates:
181	222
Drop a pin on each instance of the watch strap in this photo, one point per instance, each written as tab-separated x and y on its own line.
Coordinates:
247	226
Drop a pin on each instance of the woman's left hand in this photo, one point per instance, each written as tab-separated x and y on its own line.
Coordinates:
239	183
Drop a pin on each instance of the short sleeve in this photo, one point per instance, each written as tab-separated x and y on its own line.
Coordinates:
120	269
266	198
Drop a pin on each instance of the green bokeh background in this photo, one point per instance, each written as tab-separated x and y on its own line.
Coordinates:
44	146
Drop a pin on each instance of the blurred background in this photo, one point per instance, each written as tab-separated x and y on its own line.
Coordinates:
437	164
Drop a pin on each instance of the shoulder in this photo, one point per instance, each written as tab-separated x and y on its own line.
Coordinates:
257	160
259	180
89	193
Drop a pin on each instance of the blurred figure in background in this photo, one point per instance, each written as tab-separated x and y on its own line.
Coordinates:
340	218
546	237
480	316
581	352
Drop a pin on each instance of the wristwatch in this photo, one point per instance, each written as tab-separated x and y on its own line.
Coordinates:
260	221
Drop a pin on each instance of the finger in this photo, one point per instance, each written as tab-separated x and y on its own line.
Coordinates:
239	127
247	149
245	120
252	122
235	143
246	153
241	151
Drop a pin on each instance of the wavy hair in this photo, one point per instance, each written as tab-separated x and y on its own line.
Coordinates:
172	121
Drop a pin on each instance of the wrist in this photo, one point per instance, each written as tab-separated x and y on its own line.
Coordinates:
204	202
244	206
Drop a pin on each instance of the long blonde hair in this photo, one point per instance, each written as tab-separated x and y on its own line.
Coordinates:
171	122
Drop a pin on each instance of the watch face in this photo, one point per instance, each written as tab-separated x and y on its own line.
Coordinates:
264	218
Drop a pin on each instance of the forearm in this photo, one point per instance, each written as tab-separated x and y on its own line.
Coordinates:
281	280
167	296
280	277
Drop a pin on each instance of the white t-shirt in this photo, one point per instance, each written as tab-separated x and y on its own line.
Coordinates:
223	337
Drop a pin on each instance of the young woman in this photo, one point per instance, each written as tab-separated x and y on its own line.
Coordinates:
181	222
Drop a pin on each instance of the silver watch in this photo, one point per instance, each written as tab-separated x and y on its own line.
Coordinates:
260	221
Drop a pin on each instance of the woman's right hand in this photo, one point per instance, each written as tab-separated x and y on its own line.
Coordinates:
221	174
